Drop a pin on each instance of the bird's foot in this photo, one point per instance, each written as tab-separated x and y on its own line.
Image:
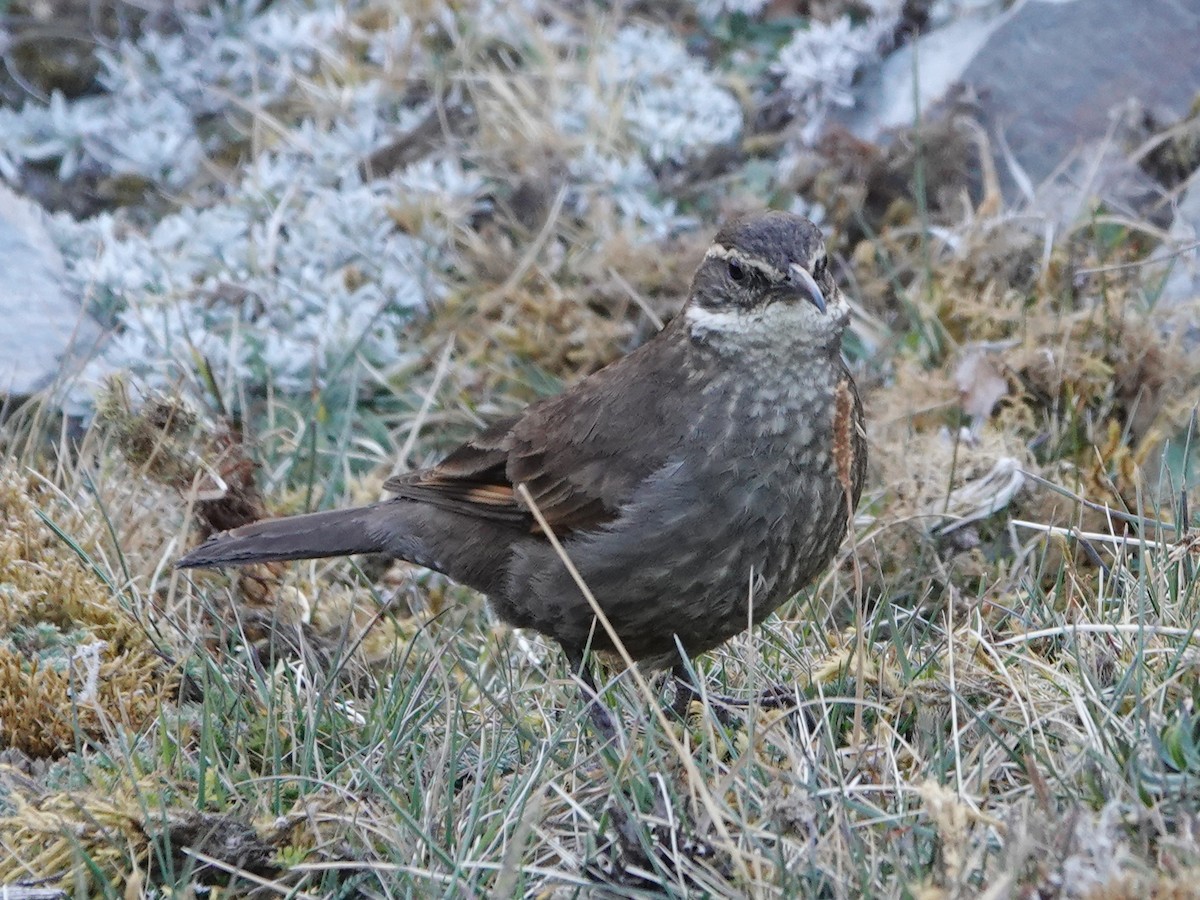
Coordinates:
777	696
601	718
600	715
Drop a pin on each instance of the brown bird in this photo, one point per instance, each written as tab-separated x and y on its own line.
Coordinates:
705	471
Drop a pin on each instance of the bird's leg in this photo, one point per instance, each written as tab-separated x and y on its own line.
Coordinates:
597	711
685	693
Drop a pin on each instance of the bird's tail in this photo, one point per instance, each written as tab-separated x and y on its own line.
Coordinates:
338	532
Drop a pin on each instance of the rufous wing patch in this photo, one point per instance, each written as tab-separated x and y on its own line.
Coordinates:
844	442
475	497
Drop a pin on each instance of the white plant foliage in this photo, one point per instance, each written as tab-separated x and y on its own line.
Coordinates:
294	280
154	139
513	22
292	265
160	86
674	108
628	185
1101	853
297	267
817	66
226	56
714	9
943	12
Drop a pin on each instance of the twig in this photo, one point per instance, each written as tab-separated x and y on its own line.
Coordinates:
1118	539
1144	261
1089	628
1098	507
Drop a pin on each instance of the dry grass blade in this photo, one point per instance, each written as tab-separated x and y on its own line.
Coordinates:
696	782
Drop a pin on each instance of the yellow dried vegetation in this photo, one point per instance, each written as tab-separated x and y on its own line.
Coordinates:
1023	360
75	665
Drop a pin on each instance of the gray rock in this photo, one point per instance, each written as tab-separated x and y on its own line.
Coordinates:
46	335
899	92
1050	79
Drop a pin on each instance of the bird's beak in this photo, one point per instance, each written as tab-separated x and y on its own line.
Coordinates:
803	281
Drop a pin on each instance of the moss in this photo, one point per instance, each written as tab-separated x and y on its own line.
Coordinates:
74	663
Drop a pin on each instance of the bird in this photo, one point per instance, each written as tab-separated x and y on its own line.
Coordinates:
696	483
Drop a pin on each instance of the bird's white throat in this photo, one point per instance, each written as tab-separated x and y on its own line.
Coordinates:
779	324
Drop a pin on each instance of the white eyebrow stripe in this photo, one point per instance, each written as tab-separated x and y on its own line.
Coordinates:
718	251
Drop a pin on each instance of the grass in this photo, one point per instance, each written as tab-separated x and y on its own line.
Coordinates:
1036	732
1006	707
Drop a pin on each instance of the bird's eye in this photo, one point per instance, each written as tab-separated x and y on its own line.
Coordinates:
736	272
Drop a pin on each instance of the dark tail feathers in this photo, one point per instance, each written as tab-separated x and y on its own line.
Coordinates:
338	532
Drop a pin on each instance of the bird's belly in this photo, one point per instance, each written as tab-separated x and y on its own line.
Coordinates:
702	552
715	589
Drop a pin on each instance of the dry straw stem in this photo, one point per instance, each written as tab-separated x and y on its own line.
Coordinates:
696	782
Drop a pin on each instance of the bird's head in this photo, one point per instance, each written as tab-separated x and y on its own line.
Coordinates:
766	280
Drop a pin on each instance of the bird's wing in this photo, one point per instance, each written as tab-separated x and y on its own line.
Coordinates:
470	480
581	454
